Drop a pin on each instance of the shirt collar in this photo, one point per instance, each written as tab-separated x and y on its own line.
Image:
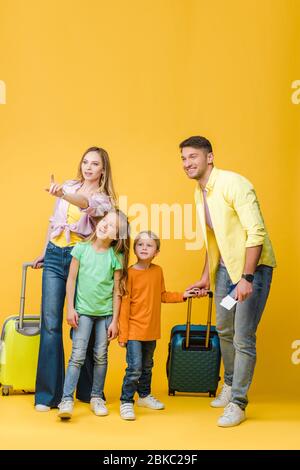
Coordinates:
212	179
209	185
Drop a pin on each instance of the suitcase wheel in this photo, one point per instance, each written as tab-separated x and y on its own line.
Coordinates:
5	391
171	392
212	394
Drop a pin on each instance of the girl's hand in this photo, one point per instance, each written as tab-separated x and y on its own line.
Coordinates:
123	345
38	262
55	189
112	331
72	318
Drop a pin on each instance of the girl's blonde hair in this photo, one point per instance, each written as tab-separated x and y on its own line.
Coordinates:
105	184
149	235
121	245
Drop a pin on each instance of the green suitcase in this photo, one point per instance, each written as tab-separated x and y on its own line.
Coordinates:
193	363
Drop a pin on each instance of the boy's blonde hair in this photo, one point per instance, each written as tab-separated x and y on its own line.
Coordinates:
151	235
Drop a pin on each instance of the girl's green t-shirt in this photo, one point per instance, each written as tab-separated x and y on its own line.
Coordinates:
95	281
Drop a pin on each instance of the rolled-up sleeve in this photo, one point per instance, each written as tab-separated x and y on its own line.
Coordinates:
246	205
169	297
99	204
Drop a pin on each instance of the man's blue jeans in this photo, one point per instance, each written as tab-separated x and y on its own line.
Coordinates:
237	330
139	357
51	365
81	336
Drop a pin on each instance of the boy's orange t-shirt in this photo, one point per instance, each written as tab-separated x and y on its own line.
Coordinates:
140	309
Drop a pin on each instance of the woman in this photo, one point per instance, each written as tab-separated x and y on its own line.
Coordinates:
80	202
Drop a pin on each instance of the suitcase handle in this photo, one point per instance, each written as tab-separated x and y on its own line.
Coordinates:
31	326
208	324
23	289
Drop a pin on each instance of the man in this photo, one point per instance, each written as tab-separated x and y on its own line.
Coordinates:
238	253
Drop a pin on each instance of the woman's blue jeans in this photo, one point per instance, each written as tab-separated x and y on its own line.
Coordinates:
51	365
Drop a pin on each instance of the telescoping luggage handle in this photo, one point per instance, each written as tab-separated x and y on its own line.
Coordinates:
34	329
208	325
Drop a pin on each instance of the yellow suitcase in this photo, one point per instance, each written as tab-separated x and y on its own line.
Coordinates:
19	347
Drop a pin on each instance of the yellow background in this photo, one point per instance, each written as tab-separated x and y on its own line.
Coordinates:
136	78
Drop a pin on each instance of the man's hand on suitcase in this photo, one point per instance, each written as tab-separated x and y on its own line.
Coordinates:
72	318
55	189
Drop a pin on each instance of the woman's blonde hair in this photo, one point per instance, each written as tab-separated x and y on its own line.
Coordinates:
105	184
121	245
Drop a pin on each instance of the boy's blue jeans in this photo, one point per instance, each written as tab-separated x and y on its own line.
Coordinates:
237	330
81	336
139	357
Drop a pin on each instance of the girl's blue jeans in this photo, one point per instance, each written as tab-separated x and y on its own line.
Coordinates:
51	366
81	336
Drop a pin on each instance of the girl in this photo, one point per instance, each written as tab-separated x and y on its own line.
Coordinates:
100	268
140	323
78	201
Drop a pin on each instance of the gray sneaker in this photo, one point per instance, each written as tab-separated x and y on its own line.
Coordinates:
98	406
232	416
42	408
150	402
223	398
65	409
127	411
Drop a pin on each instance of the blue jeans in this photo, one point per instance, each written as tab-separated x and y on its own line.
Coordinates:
81	336
51	365
139	357
237	330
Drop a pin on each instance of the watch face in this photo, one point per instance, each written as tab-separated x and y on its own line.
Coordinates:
248	277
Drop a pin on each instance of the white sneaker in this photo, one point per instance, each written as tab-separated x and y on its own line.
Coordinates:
42	408
223	398
232	416
127	411
98	406
150	402
65	409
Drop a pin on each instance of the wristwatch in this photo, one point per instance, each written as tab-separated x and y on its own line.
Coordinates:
248	277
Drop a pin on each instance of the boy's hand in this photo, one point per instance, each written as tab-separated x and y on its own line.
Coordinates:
201	287
191	293
112	331
123	345
72	318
